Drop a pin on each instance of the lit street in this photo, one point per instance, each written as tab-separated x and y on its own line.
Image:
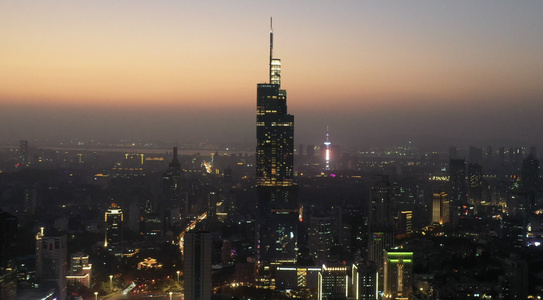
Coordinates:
131	296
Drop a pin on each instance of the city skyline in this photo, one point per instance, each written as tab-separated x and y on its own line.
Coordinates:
177	71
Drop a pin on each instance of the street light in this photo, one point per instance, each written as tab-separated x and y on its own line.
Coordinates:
95	295
171	293
178	277
110	282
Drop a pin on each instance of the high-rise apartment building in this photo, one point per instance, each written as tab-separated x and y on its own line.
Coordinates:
197	261
277	232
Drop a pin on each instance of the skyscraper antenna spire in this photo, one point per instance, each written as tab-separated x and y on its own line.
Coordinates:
271	47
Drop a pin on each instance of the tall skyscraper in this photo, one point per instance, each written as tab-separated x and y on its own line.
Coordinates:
277	205
197	258
398	274
529	180
171	192
380	223
274	133
457	174
114	226
457	188
320	238
381	204
440	209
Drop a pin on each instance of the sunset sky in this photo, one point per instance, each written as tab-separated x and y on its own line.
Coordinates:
180	70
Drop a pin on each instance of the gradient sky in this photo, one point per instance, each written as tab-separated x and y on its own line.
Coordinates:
187	70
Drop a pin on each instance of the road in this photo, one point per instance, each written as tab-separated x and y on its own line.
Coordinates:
120	296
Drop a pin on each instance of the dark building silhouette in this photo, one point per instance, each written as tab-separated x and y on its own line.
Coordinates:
52	261
152	225
381	206
511	155
23	153
381	221
277	204
320	238
453	152
501	156
488	157
198	249
310	151
457	180
529	180
172	194
405	224
8	256
475	155
475	183
364	281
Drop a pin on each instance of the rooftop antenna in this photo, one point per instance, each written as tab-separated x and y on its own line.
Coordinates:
271	48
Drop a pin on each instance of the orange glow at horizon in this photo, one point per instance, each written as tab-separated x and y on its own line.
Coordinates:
171	54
